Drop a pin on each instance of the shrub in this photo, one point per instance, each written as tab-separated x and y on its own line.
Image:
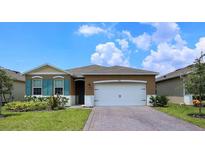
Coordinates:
52	103
38	104
36	99
57	102
28	98
158	101
26	106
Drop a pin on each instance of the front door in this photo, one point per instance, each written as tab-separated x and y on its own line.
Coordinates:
79	91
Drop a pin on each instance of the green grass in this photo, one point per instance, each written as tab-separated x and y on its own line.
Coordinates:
182	111
62	120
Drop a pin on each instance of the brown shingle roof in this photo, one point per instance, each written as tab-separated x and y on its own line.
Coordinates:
79	70
176	73
15	75
119	70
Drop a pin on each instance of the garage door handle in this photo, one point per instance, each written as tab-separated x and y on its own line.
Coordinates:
143	100
95	100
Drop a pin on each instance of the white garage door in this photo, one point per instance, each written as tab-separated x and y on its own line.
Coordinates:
120	94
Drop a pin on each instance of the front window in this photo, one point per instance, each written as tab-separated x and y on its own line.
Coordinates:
59	86
37	87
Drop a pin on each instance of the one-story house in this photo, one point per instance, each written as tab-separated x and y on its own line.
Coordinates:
172	85
93	85
18	91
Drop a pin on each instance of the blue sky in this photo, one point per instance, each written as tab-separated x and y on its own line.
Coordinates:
161	47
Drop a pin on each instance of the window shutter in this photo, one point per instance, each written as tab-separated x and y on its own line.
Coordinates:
50	87
47	87
28	88
66	87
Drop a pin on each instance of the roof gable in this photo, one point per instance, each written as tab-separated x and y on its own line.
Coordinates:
46	69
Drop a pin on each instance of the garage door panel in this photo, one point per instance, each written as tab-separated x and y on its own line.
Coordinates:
120	94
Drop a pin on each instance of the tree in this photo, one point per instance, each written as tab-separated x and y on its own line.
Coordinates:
195	81
6	86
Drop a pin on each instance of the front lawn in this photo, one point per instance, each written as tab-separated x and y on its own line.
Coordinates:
61	120
182	111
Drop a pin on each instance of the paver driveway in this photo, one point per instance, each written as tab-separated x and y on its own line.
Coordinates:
134	119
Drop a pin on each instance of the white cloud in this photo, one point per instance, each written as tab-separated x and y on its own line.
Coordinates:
108	54
179	41
201	44
172	51
169	57
170	54
142	41
87	30
127	34
165	31
123	44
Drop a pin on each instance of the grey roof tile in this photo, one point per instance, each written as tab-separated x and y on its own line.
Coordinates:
176	73
102	70
79	70
15	75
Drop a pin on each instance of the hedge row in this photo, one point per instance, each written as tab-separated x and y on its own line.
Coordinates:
26	106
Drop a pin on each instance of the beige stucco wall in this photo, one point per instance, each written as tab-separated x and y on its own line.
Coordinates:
18	90
89	79
172	87
176	99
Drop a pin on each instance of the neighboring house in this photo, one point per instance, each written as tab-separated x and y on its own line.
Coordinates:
172	85
18	91
93	85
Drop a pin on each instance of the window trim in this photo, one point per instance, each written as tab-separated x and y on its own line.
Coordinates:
57	77
37	87
37	77
54	86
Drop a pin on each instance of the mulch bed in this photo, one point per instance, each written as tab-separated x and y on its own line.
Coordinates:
197	115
